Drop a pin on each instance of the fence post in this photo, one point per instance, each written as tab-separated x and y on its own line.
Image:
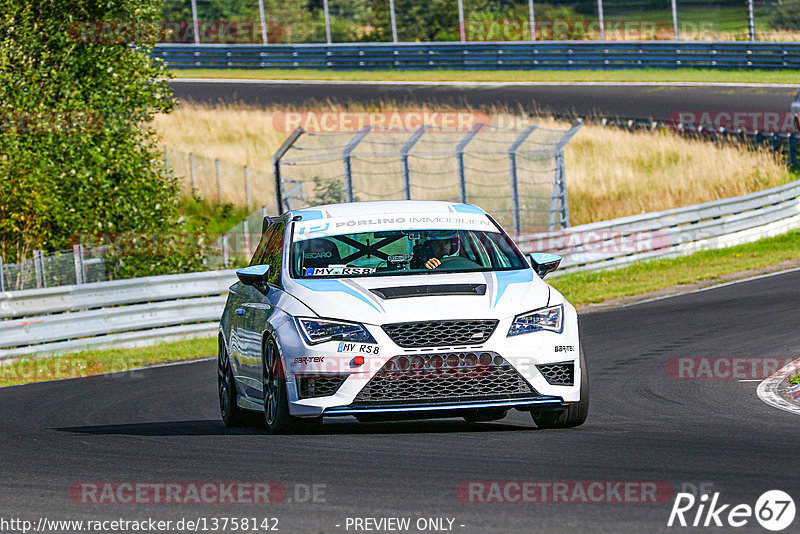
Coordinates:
348	169
512	160
246	232
559	202
600	20
404	159
263	18
195	24
225	250
751	21
247	186
166	159
675	19
191	170
2	278
793	149
77	258
219	183
276	166
462	179
38	269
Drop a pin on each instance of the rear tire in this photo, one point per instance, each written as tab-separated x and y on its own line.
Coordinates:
574	414
276	402
232	414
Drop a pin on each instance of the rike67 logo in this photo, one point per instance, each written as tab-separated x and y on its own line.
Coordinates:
774	510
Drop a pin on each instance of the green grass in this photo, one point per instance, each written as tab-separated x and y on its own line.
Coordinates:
594	287
99	362
579	288
200	215
794	379
645	75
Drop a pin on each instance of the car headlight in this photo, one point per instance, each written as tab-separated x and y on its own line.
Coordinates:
551	318
321	330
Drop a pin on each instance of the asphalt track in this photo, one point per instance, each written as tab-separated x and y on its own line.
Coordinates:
645	101
162	425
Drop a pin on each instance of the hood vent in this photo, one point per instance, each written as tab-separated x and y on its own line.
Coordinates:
441	290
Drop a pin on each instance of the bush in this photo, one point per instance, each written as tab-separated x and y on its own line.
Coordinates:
77	154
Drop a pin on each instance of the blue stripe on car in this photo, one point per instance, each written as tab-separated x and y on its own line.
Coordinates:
468	208
334	286
310	215
506	278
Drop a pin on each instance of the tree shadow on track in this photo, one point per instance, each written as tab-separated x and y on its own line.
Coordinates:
213	427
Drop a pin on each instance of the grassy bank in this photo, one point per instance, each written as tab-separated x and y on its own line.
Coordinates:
610	172
644	75
581	289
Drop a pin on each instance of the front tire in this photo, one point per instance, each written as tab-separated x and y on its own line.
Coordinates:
232	414
276	402
574	414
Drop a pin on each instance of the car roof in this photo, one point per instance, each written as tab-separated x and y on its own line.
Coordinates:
384	207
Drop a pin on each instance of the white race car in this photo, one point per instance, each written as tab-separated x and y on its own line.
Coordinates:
397	310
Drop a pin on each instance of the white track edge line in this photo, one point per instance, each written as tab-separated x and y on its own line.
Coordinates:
768	390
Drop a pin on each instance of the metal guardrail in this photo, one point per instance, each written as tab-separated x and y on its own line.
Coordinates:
105	314
145	310
672	232
485	55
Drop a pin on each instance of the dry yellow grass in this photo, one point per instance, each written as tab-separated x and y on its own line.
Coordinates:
610	173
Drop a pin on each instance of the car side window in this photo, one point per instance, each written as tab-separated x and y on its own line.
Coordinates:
273	254
258	255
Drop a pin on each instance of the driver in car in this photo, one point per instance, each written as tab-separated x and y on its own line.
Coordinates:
438	248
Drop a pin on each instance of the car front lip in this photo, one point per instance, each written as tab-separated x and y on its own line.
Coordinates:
525	403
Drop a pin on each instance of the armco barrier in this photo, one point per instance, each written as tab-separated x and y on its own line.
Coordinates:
145	310
487	55
131	312
672	232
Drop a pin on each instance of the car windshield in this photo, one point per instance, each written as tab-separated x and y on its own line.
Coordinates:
399	252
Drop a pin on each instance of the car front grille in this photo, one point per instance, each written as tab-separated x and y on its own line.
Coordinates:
451	376
311	386
441	333
558	374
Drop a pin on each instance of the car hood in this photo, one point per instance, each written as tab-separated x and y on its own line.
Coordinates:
375	300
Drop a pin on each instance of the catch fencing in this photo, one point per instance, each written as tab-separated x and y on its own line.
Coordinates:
567	55
80	265
517	174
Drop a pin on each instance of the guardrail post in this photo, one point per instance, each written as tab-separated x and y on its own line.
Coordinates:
348	168
776	143
219	183
462	180
191	170
276	166
404	159
247	186
77	258
793	149
512	160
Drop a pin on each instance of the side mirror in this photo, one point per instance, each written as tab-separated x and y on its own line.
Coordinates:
544	263
255	276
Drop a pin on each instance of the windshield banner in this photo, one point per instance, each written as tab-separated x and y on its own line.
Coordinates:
314	228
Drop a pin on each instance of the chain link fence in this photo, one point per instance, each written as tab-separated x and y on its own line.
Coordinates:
341	21
81	265
517	173
219	181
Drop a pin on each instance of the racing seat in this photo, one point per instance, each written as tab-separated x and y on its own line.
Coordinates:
320	253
